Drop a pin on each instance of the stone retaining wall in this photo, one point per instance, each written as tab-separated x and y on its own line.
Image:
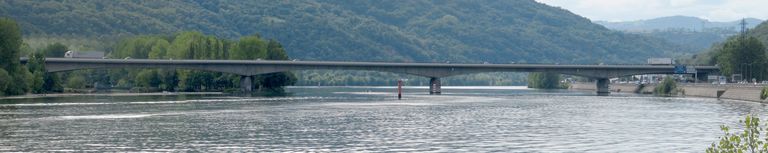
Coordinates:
748	94
731	92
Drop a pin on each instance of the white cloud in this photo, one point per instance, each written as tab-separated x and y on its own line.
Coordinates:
627	10
736	9
682	3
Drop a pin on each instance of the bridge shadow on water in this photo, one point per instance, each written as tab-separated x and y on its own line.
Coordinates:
270	93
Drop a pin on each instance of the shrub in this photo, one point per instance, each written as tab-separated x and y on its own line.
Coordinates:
747	141
5	80
545	80
666	87
764	93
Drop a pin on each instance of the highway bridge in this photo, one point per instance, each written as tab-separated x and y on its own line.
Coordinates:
249	68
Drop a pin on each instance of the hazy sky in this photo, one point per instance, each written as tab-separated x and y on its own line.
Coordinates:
629	10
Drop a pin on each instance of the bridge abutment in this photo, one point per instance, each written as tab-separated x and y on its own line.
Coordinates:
246	83
434	86
602	87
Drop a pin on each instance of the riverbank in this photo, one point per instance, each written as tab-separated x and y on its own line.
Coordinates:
27	96
745	93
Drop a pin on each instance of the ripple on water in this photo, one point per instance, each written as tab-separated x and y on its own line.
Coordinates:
354	121
107	116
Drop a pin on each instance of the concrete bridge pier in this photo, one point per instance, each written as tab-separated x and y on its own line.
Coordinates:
703	77
246	83
602	87
434	86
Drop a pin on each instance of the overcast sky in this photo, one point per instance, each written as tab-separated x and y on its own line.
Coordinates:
630	10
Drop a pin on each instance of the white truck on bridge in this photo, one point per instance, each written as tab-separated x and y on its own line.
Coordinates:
81	54
661	61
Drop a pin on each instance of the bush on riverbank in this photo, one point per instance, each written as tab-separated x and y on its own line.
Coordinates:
764	93
667	87
747	141
80	91
545	80
144	89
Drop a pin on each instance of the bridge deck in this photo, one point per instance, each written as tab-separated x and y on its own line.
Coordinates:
434	71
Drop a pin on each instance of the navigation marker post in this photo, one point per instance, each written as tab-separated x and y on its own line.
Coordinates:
400	89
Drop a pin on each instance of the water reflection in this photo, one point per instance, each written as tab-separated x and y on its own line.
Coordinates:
356	119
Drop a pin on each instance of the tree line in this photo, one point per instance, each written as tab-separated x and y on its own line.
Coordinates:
16	78
744	54
195	45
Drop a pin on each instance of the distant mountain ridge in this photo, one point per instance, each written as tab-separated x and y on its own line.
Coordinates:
691	32
521	31
760	32
676	22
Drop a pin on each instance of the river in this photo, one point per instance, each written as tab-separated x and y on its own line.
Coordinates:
357	119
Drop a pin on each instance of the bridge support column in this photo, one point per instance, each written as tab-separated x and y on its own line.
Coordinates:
246	83
703	77
434	86
602	87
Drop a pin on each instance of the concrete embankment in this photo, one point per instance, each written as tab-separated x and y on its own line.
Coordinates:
746	93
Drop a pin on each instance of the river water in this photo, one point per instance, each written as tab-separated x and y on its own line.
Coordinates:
355	119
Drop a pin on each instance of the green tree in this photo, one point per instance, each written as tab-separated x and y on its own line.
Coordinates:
10	41
183	45
195	45
249	48
159	49
55	50
141	47
275	81
5	81
21	81
52	83
666	87
25	50
275	51
43	82
169	80
36	62
148	78
38	80
741	55
76	82
747	141
36	65
764	93
544	80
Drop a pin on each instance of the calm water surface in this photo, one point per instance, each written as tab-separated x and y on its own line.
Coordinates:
343	119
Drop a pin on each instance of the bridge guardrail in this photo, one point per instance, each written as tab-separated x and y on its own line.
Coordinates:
706	85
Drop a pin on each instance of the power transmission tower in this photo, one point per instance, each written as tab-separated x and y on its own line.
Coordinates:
743	28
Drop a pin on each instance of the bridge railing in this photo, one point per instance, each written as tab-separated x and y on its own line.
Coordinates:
735	85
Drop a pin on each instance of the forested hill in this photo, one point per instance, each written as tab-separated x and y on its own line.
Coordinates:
760	32
677	22
692	32
358	30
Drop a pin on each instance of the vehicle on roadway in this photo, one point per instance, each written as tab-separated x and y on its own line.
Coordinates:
84	54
